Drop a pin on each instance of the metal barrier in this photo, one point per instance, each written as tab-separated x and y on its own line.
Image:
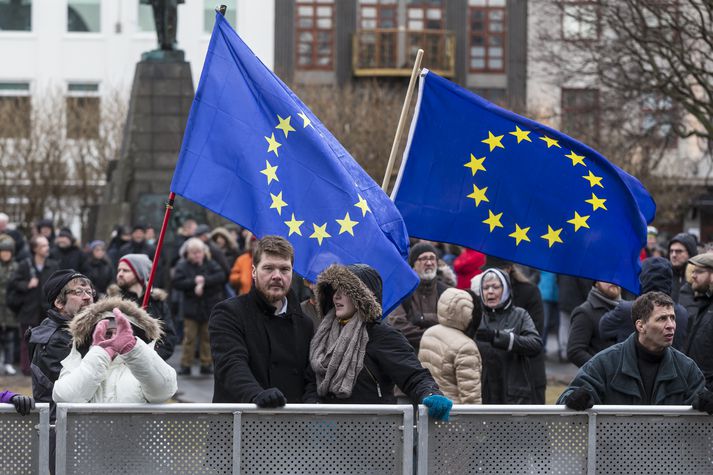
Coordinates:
24	440
212	438
552	439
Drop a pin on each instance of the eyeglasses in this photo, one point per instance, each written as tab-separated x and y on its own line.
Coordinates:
427	259
80	291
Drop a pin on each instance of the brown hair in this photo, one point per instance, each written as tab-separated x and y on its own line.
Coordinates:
644	305
275	245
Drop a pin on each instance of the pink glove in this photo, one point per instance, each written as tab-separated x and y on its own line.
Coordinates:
99	339
124	340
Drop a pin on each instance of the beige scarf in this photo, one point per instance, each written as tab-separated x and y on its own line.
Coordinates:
337	354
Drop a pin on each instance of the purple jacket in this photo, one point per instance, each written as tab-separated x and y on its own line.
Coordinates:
6	397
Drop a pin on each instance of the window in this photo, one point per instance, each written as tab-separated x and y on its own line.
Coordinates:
146	20
15	109
84	16
231	14
425	15
580	114
315	34
580	21
82	111
15	15
487	30
375	14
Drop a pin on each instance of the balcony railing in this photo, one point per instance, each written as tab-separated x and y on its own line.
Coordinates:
390	52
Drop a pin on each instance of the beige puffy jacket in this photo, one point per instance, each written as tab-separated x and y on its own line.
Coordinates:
446	351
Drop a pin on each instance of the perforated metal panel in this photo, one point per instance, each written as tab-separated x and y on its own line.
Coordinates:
326	444
503	444
110	443
19	441
647	445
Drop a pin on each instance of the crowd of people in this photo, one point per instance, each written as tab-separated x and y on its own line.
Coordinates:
473	331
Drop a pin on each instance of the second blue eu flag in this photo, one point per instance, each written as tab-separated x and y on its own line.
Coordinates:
480	176
255	154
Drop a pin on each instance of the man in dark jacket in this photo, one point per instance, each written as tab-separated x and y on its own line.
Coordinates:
573	292
681	248
656	276
644	369
260	340
66	252
585	340
418	311
131	277
699	344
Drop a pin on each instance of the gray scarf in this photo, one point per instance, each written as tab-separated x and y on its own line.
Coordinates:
337	354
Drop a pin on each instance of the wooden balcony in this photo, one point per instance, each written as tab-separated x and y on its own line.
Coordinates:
390	52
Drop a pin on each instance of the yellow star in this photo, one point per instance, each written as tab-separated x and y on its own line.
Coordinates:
552	236
285	125
475	164
521	134
493	220
520	234
493	141
576	159
273	144
596	203
347	225
479	195
277	203
270	172
593	180
362	205
320	232
579	221
305	119
550	142
294	226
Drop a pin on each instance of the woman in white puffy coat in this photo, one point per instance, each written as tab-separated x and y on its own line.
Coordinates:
114	365
448	353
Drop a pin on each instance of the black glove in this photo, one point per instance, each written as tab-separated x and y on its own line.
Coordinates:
703	401
270	397
23	404
485	334
579	400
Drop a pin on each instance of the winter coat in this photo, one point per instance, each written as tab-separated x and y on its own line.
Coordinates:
449	354
467	266
241	277
507	375
699	342
195	307
68	257
100	272
612	377
389	360
35	303
527	296
7	317
245	347
49	344
548	287
679	275
90	375
585	340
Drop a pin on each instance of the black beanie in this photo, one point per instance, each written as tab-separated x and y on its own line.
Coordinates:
370	277
418	249
57	281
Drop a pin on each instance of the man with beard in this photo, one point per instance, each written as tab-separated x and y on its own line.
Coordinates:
419	311
260	340
700	316
681	248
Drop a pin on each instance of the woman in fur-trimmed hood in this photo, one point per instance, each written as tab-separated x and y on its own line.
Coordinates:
108	364
356	358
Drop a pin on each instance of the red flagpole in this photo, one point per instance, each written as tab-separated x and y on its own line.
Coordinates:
159	245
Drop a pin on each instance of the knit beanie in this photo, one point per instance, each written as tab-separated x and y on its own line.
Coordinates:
140	265
418	249
57	281
370	277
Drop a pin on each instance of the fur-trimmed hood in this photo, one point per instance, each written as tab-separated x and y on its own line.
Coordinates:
366	300
81	327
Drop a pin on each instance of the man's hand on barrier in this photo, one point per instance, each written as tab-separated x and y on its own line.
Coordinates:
703	401
270	397
579	400
439	407
23	404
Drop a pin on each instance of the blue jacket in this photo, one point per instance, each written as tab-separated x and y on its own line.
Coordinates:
612	377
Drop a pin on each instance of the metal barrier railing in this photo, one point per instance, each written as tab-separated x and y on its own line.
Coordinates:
553	439
24	440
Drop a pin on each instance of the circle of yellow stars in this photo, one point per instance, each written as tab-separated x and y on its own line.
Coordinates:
320	231
521	233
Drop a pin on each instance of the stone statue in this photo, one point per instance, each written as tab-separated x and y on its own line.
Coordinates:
165	15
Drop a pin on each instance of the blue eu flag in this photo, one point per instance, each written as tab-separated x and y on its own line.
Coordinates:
478	175
255	154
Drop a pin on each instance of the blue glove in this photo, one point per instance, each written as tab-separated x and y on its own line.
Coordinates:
439	407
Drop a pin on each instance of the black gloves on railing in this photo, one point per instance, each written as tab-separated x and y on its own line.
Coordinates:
270	397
